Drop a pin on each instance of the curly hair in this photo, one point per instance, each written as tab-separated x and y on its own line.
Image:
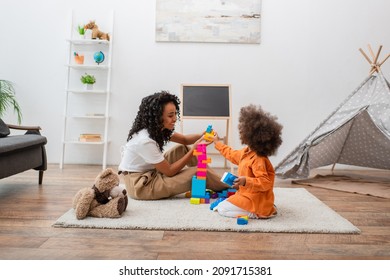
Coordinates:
259	130
149	117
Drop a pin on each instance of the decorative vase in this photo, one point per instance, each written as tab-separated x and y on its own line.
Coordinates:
79	59
89	86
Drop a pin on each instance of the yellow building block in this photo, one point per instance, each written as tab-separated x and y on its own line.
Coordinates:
194	200
243	217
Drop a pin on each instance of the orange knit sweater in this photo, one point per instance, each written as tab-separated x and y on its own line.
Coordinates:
257	195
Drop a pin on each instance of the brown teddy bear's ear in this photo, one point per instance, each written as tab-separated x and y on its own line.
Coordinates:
106	172
106	180
90	24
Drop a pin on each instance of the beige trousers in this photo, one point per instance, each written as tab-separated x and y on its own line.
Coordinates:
151	185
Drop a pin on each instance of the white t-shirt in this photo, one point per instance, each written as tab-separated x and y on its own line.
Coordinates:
140	153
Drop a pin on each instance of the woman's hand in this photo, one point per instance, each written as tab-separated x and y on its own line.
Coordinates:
240	181
199	141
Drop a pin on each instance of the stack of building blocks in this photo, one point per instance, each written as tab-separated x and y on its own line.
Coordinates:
198	190
199	194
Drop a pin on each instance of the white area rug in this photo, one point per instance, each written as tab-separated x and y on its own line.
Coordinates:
298	211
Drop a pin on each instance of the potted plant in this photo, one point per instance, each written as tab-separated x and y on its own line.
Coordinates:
81	30
8	100
88	80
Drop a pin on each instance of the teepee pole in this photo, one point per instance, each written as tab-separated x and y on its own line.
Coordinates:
380	64
365	56
334	164
377	55
371	52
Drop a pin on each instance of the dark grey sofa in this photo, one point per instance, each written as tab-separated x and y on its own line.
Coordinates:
22	152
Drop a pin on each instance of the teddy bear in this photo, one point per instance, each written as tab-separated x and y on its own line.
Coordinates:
96	33
105	199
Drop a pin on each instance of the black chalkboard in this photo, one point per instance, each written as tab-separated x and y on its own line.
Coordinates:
205	101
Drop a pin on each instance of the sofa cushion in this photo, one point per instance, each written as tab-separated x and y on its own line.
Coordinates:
4	130
20	142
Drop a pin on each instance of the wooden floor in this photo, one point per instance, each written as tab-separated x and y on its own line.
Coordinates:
27	212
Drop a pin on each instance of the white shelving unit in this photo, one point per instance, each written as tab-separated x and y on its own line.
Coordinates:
87	111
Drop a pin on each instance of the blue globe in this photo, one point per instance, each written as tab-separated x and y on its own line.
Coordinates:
98	57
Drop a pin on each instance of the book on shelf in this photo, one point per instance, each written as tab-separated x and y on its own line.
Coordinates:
90	137
90	140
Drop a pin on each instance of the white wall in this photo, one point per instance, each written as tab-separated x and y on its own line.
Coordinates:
307	63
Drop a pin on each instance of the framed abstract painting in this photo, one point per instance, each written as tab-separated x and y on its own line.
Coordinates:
219	21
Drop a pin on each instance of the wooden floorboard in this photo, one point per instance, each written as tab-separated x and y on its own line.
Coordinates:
27	212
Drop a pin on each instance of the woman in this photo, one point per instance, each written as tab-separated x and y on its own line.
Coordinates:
148	172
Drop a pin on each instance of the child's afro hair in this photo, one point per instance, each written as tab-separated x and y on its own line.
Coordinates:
259	130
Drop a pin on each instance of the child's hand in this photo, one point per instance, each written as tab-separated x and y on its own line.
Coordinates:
216	137
208	138
240	181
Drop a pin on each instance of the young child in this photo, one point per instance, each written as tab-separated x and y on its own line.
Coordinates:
261	134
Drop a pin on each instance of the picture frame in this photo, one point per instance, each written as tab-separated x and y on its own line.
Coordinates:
233	21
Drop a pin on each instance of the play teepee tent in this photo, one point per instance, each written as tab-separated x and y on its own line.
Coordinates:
356	133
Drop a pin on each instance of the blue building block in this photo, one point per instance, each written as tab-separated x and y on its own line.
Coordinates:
215	203
209	128
242	221
228	178
223	194
198	188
